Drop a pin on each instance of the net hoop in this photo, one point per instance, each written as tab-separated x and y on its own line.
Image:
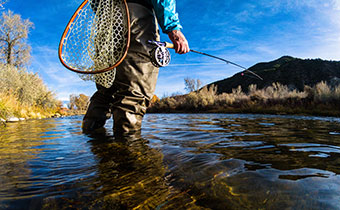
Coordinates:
63	38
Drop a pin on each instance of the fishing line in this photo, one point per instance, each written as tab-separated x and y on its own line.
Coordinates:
195	64
160	56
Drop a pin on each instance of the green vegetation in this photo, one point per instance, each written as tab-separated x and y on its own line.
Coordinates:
275	99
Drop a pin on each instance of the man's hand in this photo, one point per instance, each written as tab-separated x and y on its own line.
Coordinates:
179	41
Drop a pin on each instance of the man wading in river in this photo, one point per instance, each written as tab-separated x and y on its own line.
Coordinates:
129	96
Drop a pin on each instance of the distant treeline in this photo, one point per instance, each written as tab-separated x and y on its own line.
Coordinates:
275	99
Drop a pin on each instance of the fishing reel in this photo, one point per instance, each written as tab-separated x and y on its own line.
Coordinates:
160	55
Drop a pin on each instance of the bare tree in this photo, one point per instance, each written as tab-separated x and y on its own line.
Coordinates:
189	84
2	2
82	102
14	49
72	104
79	102
198	84
192	84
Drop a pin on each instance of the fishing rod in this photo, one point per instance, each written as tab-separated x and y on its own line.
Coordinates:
160	56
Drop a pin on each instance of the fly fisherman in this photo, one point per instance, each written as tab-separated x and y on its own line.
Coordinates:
129	96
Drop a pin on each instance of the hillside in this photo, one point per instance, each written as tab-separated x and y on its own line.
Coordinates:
290	71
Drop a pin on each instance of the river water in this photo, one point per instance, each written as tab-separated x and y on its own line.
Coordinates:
180	161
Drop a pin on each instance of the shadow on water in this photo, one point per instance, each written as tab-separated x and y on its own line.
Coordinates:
131	174
52	165
180	161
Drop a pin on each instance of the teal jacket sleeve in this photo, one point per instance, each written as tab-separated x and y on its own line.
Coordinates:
166	15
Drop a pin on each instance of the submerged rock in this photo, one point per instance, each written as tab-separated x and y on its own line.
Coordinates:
13	119
56	115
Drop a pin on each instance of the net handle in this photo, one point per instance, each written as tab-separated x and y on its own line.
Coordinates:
61	43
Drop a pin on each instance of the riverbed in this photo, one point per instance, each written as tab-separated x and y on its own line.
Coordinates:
179	161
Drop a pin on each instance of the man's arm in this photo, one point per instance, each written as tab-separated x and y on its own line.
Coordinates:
180	42
169	22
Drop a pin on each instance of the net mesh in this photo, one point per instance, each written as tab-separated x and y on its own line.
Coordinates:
97	40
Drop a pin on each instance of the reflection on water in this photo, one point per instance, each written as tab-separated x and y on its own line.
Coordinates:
180	161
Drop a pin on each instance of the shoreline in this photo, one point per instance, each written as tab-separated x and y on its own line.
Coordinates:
4	122
265	112
321	100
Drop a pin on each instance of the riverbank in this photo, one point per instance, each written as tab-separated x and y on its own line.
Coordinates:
23	95
13	119
11	110
320	100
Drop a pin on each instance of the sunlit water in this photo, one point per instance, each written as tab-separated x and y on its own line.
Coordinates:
180	161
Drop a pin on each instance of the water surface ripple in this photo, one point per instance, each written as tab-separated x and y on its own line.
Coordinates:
180	161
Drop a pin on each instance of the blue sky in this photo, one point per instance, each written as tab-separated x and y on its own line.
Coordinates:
243	31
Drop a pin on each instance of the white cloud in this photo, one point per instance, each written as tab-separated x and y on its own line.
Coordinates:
336	4
60	80
164	89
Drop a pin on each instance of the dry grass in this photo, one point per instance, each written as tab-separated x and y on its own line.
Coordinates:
277	98
11	107
24	95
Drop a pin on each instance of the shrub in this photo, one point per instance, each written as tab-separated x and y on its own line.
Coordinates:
322	92
275	98
25	89
28	88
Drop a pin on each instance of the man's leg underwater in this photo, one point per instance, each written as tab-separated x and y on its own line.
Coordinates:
98	111
136	77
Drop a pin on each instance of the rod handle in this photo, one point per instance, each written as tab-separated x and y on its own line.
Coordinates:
169	45
164	44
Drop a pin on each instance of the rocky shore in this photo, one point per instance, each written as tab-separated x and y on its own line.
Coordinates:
12	119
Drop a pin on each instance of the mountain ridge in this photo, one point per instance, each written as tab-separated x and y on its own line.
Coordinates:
296	73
